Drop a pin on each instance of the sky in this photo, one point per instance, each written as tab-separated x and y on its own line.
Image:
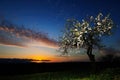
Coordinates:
38	25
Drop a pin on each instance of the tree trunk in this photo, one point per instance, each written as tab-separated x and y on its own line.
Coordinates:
90	55
92	58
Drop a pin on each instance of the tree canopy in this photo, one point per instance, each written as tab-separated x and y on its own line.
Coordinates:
86	34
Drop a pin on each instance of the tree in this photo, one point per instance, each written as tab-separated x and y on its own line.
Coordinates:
86	34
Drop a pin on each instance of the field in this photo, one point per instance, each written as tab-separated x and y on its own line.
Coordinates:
105	73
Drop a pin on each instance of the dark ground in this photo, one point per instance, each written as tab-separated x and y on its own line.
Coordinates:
30	68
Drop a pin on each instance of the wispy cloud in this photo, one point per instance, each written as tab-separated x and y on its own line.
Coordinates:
107	51
23	34
109	55
11	40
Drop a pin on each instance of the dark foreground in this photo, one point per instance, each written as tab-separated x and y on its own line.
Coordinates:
60	71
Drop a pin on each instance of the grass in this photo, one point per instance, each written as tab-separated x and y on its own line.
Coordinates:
108	74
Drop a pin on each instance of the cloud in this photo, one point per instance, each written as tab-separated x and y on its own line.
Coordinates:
11	40
20	60
45	60
23	34
109	55
107	51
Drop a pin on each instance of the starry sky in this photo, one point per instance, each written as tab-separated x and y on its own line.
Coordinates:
43	21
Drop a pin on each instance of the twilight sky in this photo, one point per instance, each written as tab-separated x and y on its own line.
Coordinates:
43	21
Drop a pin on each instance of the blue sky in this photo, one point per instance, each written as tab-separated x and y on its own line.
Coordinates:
49	16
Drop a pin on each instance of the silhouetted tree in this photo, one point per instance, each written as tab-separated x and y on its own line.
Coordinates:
86	34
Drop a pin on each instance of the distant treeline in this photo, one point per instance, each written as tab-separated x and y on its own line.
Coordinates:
15	60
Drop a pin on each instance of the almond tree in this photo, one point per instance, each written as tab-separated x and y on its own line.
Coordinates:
86	34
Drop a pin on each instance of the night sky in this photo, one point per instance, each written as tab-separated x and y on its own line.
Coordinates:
47	18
